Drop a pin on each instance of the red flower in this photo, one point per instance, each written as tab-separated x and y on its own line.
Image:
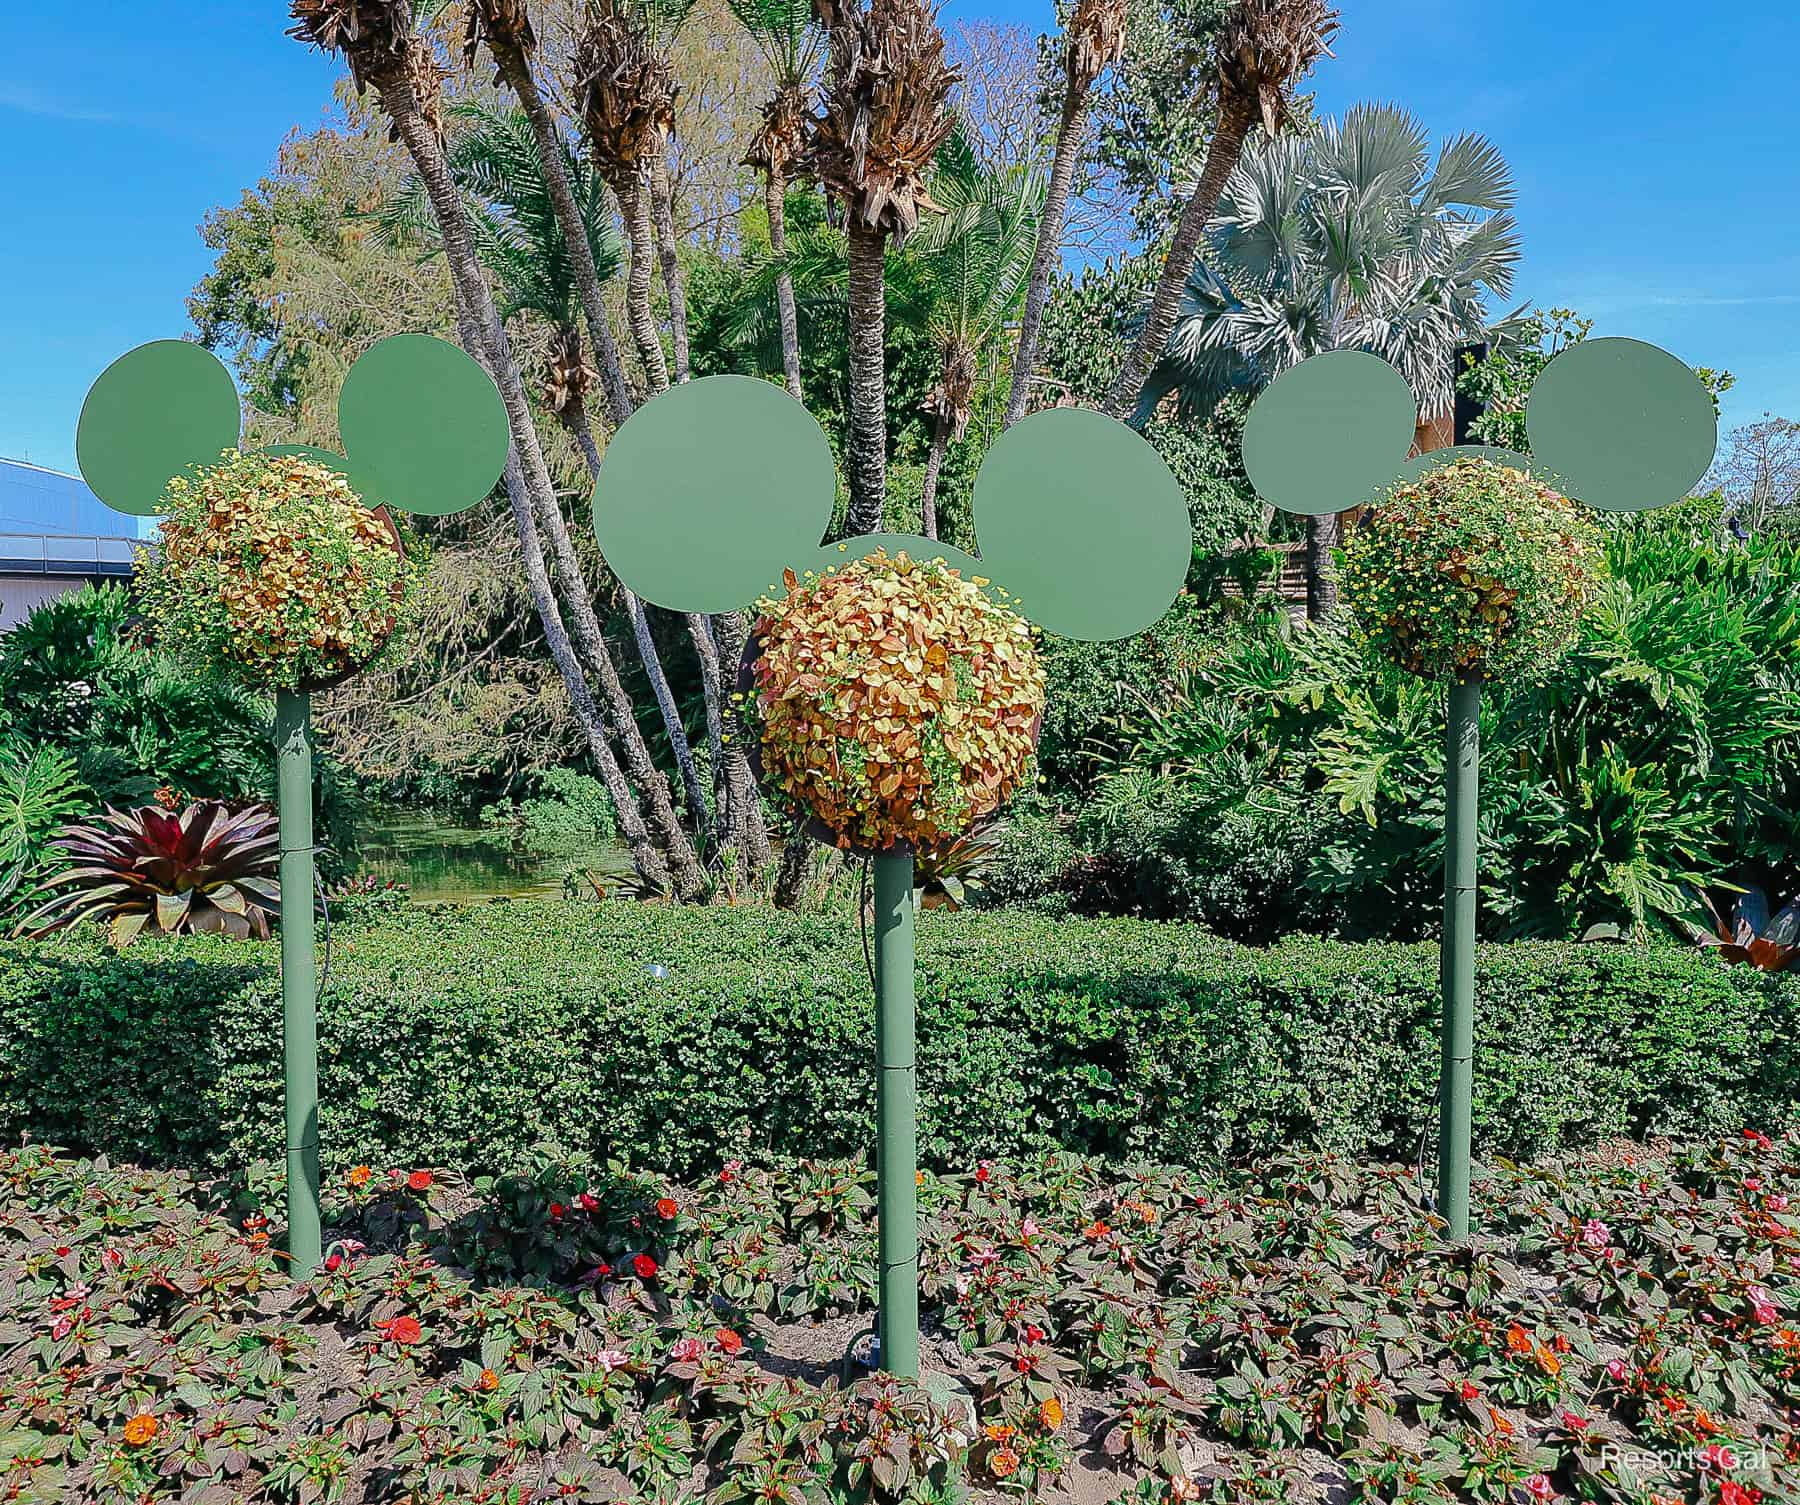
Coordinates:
728	1340
984	1172
644	1265
400	1329
332	1261
667	1208
1034	1333
557	1209
419	1181
1732	1493
1470	1390
589	1202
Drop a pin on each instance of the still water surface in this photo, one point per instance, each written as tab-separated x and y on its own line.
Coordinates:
442	857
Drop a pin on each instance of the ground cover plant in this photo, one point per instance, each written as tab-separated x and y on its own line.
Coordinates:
1625	1331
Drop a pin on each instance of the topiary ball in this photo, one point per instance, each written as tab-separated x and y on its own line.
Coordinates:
1471	568
899	703
272	571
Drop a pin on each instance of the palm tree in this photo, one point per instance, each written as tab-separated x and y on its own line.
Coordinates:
377	40
886	95
505	26
519	238
1347	239
790	42
1095	40
626	93
960	281
1264	49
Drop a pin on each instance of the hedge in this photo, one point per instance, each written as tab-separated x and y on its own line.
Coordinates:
462	1038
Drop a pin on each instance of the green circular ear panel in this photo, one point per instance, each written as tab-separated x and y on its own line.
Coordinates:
422	425
1080	518
1622	425
154	412
1329	434
708	492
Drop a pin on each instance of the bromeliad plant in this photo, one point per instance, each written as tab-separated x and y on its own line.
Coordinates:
897	689
209	870
1470	564
284	570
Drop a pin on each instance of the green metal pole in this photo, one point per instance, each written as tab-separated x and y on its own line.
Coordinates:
1462	802
299	1000
896	1113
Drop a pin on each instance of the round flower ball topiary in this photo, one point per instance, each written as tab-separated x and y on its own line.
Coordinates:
271	570
899	702
1473	568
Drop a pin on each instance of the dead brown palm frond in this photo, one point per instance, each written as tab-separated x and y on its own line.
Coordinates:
1264	47
624	89
1096	42
886	96
376	39
505	25
953	398
568	377
779	144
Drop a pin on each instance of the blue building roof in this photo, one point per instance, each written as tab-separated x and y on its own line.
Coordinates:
40	501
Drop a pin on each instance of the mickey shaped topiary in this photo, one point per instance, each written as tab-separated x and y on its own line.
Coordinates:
910	661
283	567
720	488
1472	563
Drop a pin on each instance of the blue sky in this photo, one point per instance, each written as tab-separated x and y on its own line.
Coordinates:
1655	159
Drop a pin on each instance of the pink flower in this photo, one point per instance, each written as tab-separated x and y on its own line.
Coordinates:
111	1258
686	1350
982	1258
610	1359
1029	1229
1777	1203
1617	1370
1539	1488
61	1328
1762	1305
1595	1234
1753	1183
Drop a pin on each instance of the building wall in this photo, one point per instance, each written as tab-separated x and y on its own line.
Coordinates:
21	595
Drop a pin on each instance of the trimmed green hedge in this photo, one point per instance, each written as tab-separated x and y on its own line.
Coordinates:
461	1038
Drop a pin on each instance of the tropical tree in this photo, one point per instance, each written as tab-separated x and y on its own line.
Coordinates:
1264	49
886	112
1346	239
520	240
791	44
1094	40
961	281
377	40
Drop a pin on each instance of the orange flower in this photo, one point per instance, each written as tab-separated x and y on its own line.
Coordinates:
141	1428
400	1329
419	1181
488	1380
1517	1339
1548	1362
359	1175
1051	1413
667	1208
1004	1463
997	1431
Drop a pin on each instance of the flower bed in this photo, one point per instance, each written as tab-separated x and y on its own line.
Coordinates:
1627	1334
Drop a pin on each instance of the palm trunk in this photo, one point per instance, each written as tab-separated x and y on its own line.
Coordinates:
744	810
640	243
775	195
529	492
692	789
1222	154
1322	533
662	209
700	630
934	464
868	377
1049	251
515	67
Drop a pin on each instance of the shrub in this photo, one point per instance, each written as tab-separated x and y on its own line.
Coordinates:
1472	568
272	571
464	1037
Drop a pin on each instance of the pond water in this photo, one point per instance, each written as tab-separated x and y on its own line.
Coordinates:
446	858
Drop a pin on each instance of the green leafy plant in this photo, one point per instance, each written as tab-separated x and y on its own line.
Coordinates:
271	570
1473	568
208	870
39	792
